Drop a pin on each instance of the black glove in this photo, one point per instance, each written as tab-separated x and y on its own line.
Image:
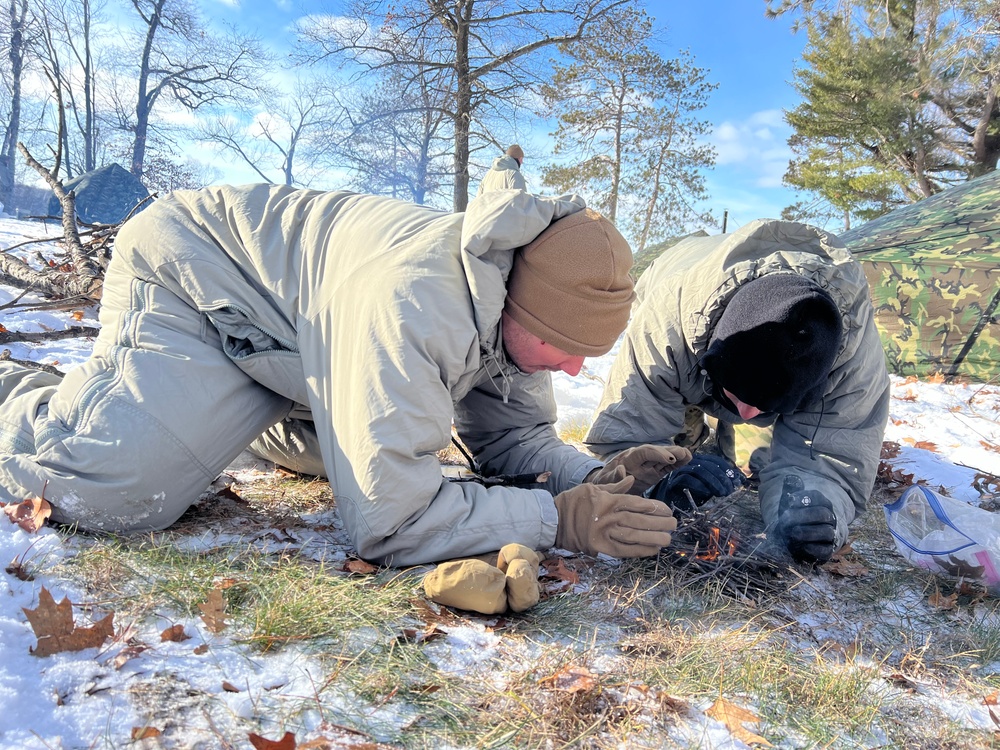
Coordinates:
705	477
806	522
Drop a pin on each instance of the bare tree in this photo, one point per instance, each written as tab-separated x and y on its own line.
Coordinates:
292	133
16	20
488	49
68	37
182	60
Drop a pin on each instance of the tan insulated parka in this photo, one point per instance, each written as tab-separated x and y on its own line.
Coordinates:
505	174
381	319
833	444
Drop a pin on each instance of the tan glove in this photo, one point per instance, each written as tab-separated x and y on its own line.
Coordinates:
520	564
647	463
468	584
477	586
601	518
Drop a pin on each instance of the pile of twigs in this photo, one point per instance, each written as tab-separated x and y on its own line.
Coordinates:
707	550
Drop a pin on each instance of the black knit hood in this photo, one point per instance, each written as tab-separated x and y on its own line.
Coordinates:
775	344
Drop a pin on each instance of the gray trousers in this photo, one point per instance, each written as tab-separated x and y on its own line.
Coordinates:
131	438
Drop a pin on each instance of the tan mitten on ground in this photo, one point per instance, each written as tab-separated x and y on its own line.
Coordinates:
523	591
511	552
468	584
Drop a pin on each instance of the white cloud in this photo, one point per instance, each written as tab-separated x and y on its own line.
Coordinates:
757	144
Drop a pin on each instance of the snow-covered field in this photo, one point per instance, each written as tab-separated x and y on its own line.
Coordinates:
74	699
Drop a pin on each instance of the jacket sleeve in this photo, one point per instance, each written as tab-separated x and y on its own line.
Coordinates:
835	447
642	401
381	404
517	435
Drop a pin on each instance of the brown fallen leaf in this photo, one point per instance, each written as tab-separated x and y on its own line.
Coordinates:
359	567
413	635
260	743
29	514
174	633
16	569
77	314
200	649
143	733
571	680
733	717
990	701
126	654
940	601
556	568
55	630
229	687
213	611
845	568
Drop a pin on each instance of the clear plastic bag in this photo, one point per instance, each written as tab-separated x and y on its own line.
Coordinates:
946	535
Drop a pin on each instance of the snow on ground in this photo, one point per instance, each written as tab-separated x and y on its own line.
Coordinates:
61	701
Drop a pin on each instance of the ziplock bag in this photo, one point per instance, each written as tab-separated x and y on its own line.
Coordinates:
946	535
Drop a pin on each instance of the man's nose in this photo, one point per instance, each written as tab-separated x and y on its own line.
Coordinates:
746	411
572	366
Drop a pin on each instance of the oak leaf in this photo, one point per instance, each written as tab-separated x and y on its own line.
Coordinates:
55	630
174	633
230	687
413	635
940	601
571	680
261	743
841	563
359	567
213	611
556	568
733	717
142	733
77	314
29	514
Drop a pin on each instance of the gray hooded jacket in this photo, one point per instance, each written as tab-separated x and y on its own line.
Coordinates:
505	174
379	318
834	444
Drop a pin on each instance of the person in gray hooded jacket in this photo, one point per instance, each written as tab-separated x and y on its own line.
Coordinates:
232	311
505	174
771	325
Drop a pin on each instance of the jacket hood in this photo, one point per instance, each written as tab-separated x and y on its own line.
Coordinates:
494	226
505	162
722	263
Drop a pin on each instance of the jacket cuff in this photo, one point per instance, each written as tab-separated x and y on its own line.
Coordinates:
549	519
583	470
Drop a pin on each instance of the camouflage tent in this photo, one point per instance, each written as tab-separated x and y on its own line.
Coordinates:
934	271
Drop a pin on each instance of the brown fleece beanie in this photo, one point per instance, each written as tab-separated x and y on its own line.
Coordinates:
516	152
571	285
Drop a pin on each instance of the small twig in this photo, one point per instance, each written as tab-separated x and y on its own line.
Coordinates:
34	337
5	357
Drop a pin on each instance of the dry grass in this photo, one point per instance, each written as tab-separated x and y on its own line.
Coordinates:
632	656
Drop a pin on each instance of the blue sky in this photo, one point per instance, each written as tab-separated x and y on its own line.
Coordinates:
749	56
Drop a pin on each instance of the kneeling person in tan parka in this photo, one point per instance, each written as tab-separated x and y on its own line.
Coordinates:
353	331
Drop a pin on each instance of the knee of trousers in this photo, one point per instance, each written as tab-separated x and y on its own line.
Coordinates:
115	467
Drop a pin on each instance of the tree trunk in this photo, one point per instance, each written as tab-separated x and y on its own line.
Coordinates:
463	110
145	98
8	151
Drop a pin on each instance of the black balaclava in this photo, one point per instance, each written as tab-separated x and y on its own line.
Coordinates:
775	343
